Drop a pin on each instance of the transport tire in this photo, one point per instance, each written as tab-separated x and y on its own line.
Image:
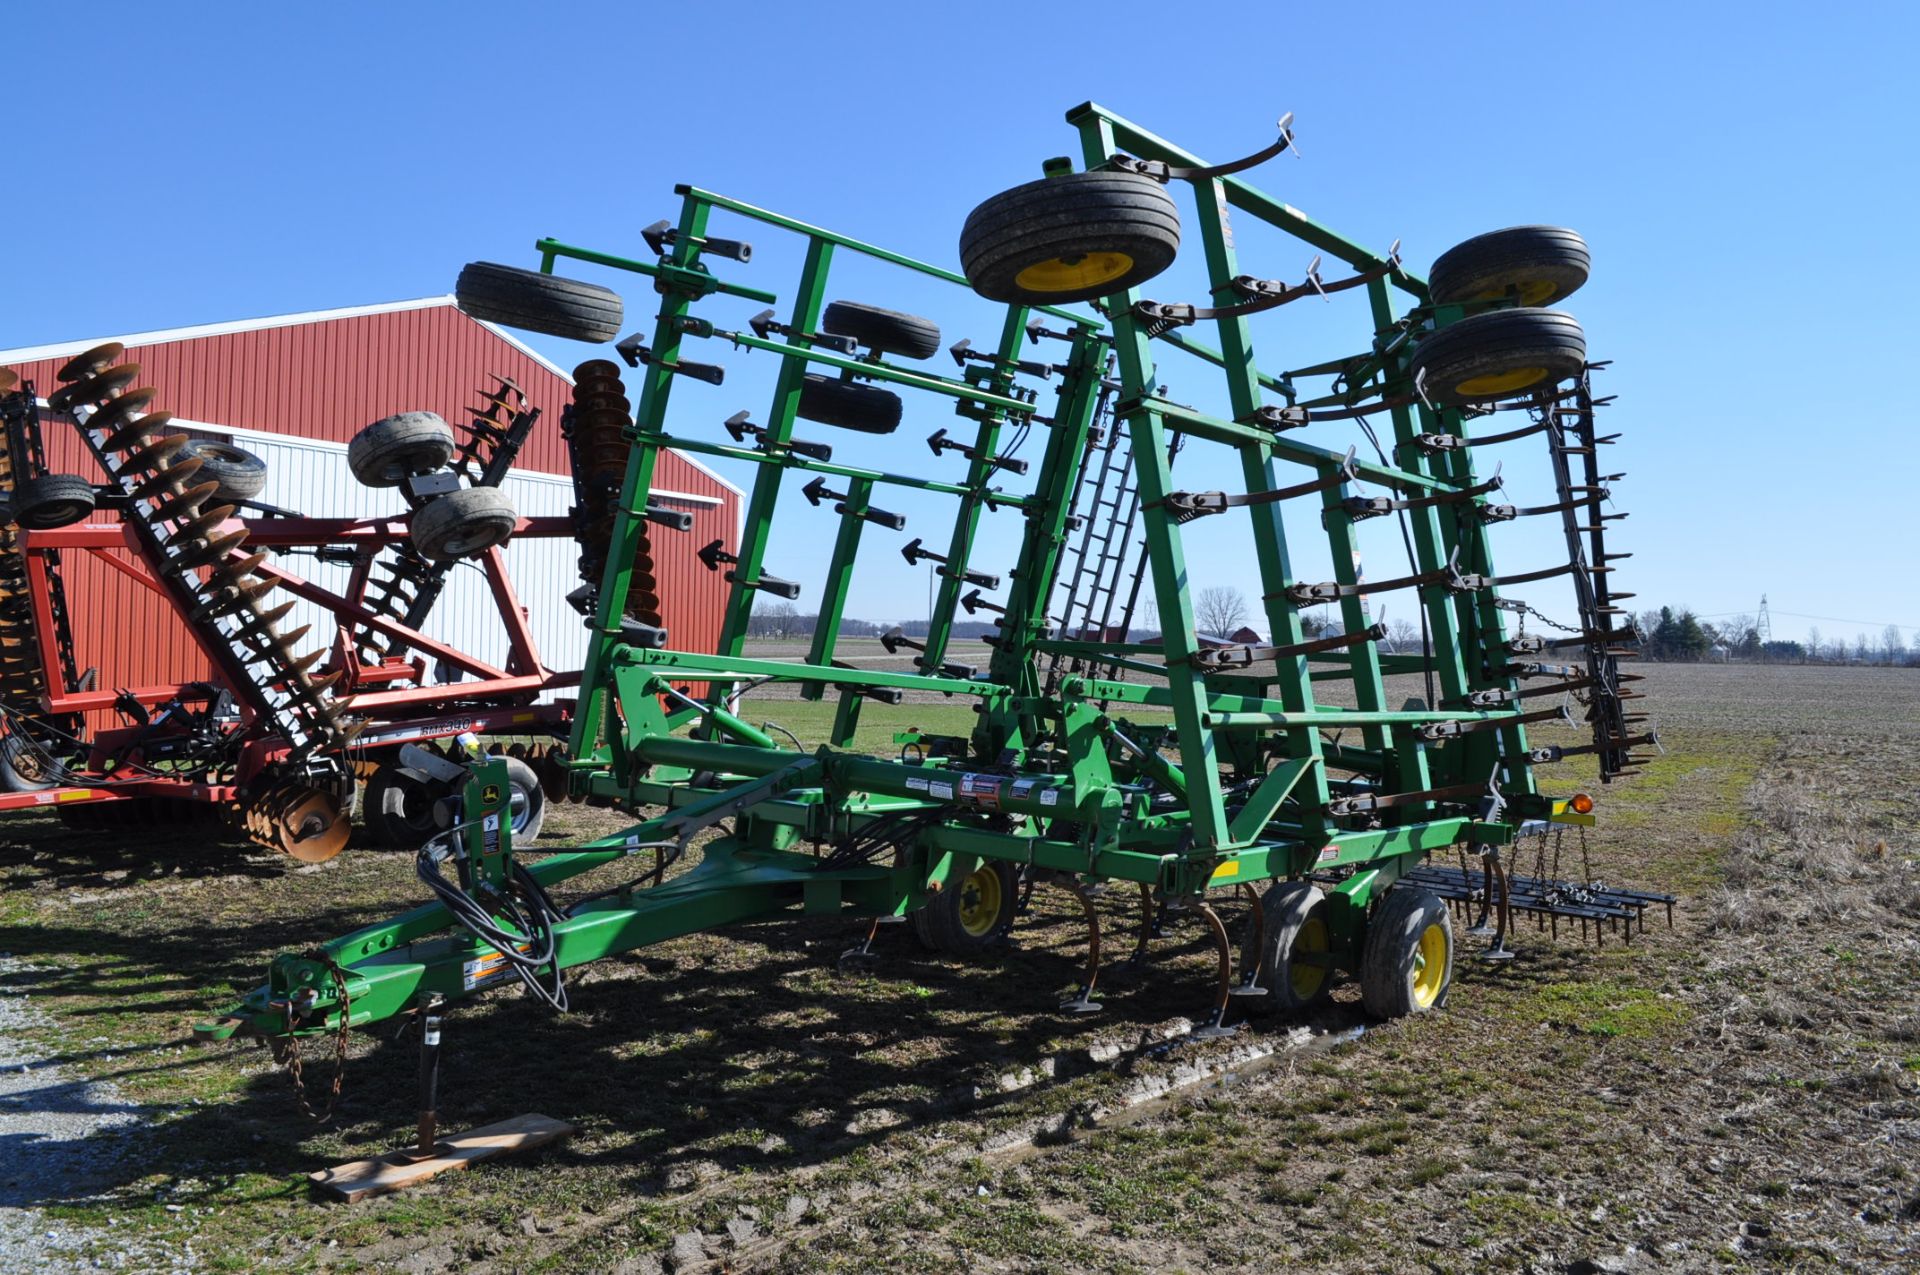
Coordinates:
394	448
1500	354
529	801
397	806
21	766
52	500
971	915
888	331
241	474
1294	926
1536	265
1070	238
849	404
536	302
1406	966
462	524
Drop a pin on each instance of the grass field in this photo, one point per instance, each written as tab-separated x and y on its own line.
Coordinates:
1741	1091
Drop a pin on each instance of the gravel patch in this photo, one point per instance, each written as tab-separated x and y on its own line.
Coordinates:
60	1136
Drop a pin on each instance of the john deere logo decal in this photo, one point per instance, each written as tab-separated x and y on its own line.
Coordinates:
490	794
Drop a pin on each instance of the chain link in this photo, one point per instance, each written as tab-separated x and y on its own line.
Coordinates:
1552	624
295	1065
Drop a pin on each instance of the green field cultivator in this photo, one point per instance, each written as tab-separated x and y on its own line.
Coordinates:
1281	781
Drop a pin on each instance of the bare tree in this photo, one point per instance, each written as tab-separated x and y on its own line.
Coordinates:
1894	644
774	619
1402	636
1220	610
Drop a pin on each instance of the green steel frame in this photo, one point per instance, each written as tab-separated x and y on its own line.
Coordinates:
1243	787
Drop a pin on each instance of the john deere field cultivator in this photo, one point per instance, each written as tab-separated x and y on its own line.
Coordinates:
1198	769
284	727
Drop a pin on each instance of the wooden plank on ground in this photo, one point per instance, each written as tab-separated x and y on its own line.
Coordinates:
362	1178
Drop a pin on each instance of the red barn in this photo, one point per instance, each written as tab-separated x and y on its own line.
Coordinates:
295	389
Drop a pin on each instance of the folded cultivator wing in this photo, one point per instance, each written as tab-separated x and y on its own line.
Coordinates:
1199	769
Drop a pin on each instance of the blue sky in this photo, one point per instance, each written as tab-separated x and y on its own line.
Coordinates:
1744	173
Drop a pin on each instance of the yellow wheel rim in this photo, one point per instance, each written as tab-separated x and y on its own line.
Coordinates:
1501	382
1305	979
1530	291
1070	274
1430	966
980	902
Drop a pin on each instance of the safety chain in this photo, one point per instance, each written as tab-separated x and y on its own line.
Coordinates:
295	1067
1527	609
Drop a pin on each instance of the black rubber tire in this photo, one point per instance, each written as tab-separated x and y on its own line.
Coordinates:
397	806
938	926
463	524
849	404
536	302
1488	357
888	331
52	500
241	474
1390	955
1288	909
1066	220
394	448
11	777
529	801
1541	265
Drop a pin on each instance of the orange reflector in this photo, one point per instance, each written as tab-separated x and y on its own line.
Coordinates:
1581	804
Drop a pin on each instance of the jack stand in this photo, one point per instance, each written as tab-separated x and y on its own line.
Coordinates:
429	1144
432	1155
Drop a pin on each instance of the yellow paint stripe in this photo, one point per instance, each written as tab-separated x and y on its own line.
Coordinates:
1231	868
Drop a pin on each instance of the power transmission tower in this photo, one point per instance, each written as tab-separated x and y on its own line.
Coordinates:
1763	627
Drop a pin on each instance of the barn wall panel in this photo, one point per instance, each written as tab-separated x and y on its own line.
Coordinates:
312	386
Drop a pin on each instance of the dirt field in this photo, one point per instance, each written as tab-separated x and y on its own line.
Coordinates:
1741	1091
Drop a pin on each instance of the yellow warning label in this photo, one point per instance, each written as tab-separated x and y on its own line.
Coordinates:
1231	868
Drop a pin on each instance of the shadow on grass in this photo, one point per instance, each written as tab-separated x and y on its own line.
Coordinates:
725	1053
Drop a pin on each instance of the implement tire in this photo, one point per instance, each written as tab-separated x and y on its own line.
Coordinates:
463	524
1500	354
397	805
529	802
240	473
394	448
849	404
1536	265
52	500
1293	926
536	302
1406	966
21	766
888	331
972	915
1070	238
